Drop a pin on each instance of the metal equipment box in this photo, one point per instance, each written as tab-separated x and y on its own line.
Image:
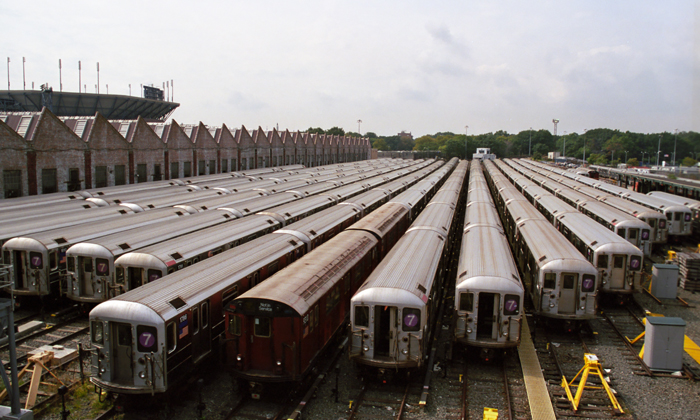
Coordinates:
664	281
663	343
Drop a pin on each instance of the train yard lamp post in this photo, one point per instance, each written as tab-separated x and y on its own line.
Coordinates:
612	159
466	140
625	156
358	127
643	152
674	148
658	151
564	152
529	145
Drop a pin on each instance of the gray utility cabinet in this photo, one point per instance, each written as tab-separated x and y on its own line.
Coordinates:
663	343
664	281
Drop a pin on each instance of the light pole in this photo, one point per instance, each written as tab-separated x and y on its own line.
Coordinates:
658	151
612	159
466	140
625	156
674	148
529	146
564	152
358	127
643	152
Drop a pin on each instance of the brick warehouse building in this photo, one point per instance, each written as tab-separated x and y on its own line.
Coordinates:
41	153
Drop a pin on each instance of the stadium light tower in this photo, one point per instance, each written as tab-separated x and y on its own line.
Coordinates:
466	140
555	121
358	127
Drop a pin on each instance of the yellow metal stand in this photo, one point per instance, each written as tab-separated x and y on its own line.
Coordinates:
591	366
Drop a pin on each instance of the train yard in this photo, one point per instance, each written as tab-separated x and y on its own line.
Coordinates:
448	349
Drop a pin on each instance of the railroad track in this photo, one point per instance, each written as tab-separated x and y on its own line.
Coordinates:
562	354
383	400
488	386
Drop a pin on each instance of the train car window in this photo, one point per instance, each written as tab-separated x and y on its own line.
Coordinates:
677	216
622	232
272	268
261	327
53	260
119	274
205	314
6	257
636	263
569	281
511	305
633	233
332	299
86	263
316	316
550	280
171	336
153	275
311	320
195	320
97	329
602	261
346	280
36	260
102	266
588	283
229	295
618	261
124	334
466	302
147	338
234	326
411	319
361	316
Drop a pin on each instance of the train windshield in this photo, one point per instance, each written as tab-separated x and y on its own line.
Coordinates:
97	330
361	316
466	302
636	263
588	283
511	305
262	327
411	319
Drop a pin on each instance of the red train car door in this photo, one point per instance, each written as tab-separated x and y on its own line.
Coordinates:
260	352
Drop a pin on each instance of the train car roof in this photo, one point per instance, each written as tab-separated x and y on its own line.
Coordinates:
189	286
300	285
409	269
485	253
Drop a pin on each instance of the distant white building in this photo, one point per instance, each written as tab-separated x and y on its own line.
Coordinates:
553	155
483	153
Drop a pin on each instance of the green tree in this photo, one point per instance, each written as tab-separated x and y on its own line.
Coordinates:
370	135
425	143
380	144
688	161
317	130
453	148
633	162
335	131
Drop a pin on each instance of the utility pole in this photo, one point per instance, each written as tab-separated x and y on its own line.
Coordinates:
466	141
529	144
98	77
60	76
8	73
674	148
658	151
80	76
24	80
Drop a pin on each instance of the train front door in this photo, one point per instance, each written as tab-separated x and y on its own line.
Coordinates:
20	269
134	277
260	352
567	293
85	270
486	326
385	330
617	273
122	349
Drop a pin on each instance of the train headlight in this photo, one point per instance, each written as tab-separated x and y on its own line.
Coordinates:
469	330
75	288
551	304
279	363
102	371
505	333
583	307
142	375
404	351
365	348
239	357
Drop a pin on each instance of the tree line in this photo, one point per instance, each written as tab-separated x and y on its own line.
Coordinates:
602	146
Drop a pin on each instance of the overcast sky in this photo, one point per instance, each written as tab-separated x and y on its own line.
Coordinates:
418	66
